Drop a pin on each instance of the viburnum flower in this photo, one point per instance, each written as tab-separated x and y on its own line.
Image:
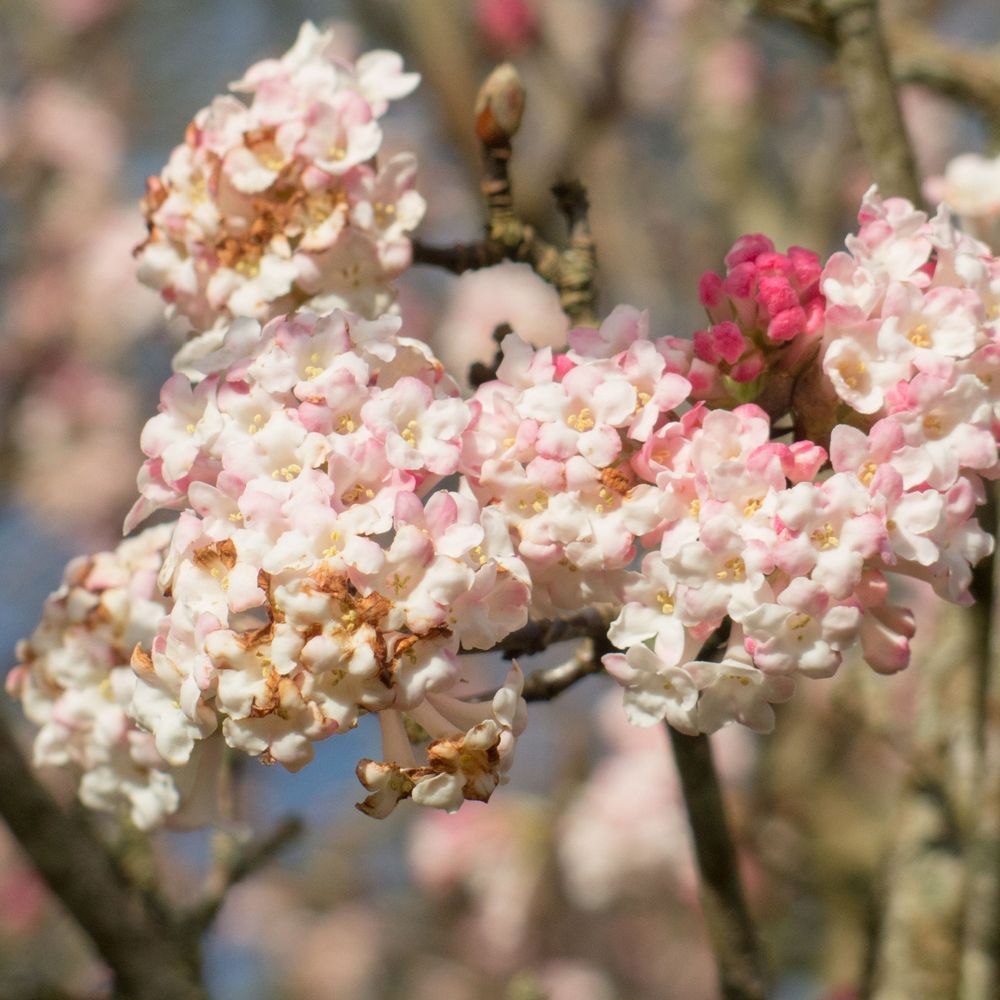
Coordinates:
75	683
551	448
281	202
314	573
912	331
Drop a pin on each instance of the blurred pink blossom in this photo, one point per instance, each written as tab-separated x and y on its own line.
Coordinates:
483	300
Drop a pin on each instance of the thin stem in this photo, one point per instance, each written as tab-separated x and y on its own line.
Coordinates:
730	928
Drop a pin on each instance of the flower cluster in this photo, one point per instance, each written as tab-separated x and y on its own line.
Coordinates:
75	683
766	315
791	551
556	448
313	577
280	202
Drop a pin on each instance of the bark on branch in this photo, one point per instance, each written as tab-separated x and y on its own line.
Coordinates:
508	237
734	941
854	30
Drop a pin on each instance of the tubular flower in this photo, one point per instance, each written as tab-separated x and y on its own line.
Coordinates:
315	577
75	683
281	201
553	448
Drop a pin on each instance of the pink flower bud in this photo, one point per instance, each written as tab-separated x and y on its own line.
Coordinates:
740	281
748	248
787	325
729	341
775	294
710	291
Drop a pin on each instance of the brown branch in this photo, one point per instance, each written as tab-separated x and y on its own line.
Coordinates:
508	237
734	941
239	862
537	636
854	30
544	685
578	265
964	73
980	962
137	942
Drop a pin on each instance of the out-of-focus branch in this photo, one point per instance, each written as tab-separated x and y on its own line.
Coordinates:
967	74
865	75
916	54
239	861
508	237
137	942
980	962
730	929
854	30
544	685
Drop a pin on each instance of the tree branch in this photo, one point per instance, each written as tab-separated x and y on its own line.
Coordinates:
537	636
508	237
137	942
734	941
964	73
239	861
853	28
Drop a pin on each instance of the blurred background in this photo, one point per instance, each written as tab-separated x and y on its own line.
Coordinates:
689	126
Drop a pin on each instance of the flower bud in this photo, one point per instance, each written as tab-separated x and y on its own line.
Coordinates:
499	106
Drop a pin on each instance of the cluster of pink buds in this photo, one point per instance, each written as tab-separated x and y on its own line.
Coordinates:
75	683
314	575
277	203
766	315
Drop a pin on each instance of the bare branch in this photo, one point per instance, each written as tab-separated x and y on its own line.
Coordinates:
243	860
854	30
734	940
961	72
508	237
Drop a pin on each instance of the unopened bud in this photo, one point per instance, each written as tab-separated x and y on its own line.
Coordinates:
499	106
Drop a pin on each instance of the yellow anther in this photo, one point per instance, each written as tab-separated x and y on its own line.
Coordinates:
408	435
825	537
694	508
666	602
851	372
752	506
920	336
932	424
248	267
734	569
190	428
867	473
582	421
346	424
